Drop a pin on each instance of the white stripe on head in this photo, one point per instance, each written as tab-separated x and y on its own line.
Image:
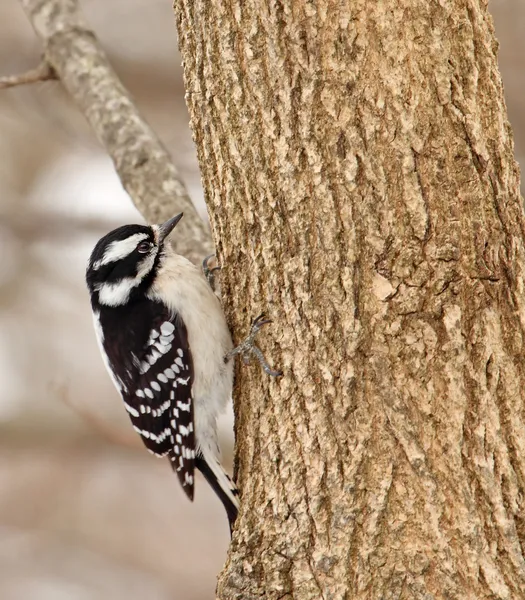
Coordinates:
146	264
155	229
116	294
120	249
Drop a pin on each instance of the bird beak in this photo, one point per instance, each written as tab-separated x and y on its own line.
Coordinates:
166	228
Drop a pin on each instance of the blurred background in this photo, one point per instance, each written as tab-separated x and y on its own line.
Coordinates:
85	512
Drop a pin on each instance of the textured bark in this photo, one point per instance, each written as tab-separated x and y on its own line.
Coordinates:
359	173
142	163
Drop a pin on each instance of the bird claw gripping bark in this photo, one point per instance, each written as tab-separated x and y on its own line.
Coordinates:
247	348
209	273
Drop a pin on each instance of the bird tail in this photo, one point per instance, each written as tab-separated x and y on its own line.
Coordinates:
220	482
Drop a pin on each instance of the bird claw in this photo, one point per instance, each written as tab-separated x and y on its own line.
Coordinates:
247	348
209	273
259	322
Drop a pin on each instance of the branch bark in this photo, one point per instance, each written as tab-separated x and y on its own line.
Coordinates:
359	171
41	73
141	161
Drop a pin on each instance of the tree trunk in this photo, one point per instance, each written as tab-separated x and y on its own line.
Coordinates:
359	174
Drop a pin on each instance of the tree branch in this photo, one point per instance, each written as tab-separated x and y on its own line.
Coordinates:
41	73
143	164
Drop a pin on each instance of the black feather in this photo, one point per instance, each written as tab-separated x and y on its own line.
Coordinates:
163	415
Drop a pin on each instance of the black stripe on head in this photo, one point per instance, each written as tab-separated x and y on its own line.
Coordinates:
116	257
119	234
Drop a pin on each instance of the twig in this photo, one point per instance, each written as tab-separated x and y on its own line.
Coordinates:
143	164
41	73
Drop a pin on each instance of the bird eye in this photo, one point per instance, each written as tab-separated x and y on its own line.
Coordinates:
144	247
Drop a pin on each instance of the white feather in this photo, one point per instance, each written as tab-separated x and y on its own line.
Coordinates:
181	286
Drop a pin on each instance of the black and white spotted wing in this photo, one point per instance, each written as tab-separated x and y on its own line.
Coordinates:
155	382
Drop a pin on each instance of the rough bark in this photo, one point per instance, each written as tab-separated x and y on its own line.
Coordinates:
142	163
359	173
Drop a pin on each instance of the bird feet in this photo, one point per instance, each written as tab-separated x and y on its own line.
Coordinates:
247	348
209	273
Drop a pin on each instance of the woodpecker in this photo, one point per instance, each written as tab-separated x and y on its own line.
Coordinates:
166	345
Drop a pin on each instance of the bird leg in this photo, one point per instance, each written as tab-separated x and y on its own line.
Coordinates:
247	348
